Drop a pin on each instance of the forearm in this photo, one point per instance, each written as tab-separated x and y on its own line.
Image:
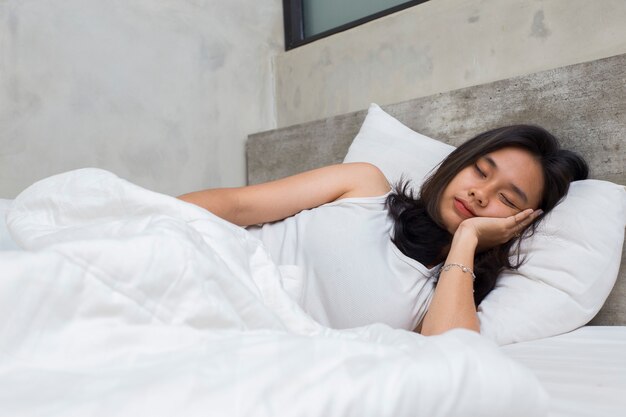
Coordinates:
222	202
453	302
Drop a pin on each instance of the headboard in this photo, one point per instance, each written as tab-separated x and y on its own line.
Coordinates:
584	105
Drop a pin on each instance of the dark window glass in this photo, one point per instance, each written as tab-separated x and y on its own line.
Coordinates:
309	20
322	15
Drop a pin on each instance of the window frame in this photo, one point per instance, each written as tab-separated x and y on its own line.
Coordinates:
294	22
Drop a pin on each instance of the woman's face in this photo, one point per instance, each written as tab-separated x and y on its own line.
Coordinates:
499	184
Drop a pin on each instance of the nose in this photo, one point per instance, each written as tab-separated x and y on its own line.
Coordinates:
479	195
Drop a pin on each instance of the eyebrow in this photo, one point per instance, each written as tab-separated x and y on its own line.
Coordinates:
514	187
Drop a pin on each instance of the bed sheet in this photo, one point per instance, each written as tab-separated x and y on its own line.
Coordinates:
126	302
583	371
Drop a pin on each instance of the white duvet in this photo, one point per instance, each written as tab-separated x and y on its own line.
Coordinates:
127	302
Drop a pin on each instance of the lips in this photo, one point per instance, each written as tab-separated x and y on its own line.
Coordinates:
463	209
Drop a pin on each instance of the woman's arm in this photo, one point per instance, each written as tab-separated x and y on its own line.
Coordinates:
282	198
453	302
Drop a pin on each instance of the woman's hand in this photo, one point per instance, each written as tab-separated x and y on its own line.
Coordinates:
494	231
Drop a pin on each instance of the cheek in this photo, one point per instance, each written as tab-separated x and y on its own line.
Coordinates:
537	202
500	210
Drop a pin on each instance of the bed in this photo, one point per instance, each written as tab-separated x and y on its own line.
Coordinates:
116	300
584	370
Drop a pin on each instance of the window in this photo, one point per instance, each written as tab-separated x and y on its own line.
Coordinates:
309	20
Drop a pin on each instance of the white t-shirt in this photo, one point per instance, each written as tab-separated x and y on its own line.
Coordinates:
339	263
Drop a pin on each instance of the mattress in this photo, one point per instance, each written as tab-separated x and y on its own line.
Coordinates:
584	371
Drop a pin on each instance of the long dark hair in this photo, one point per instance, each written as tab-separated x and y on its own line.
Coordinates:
418	229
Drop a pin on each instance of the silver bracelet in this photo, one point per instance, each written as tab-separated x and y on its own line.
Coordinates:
465	269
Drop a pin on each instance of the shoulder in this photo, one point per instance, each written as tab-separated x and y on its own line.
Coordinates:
367	180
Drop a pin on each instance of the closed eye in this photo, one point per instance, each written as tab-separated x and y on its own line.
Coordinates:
508	202
479	171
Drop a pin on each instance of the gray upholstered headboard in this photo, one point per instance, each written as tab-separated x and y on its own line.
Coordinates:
584	105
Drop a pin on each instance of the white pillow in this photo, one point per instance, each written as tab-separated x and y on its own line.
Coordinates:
572	260
395	149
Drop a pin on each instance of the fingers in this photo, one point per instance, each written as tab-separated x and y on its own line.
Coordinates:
527	216
522	215
523	219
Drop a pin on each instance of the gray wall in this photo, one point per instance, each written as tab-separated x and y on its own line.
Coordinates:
161	92
164	92
439	46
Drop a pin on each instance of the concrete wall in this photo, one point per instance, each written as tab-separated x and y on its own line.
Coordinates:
442	45
161	92
165	92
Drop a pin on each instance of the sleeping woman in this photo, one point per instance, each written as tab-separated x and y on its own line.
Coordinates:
357	251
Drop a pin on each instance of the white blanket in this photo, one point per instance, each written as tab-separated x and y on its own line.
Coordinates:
127	302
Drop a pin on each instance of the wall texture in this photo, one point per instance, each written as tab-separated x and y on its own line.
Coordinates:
439	46
161	92
165	92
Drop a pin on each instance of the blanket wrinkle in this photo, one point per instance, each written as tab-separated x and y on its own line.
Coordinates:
98	275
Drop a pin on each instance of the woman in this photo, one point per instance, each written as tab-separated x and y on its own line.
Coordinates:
367	253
